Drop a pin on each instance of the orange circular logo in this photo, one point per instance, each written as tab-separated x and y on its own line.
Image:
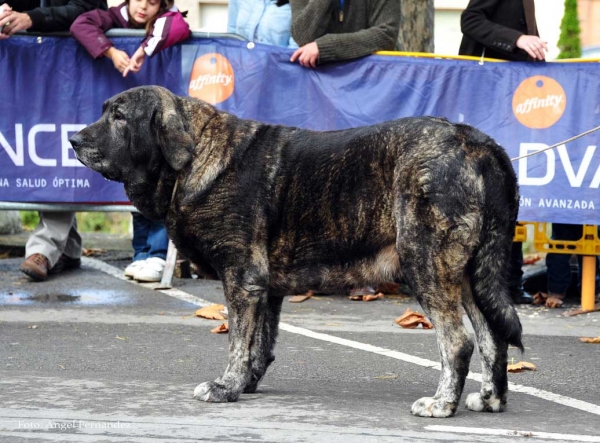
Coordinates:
539	102
211	79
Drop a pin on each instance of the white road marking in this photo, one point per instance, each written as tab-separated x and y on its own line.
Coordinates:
539	393
511	433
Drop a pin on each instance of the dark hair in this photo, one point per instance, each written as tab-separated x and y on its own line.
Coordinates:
165	5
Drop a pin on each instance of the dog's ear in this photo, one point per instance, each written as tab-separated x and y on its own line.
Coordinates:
175	143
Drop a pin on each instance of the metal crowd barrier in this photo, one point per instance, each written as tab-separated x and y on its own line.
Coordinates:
588	245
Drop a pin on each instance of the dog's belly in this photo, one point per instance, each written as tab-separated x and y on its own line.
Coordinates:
381	267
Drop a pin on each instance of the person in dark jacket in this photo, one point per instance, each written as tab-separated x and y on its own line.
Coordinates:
43	15
502	29
505	30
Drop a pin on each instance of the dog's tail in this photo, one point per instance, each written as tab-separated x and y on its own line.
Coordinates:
490	263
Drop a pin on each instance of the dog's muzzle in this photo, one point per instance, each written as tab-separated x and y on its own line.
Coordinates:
76	141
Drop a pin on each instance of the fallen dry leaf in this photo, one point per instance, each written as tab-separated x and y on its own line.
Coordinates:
521	366
371	297
531	259
365	297
552	302
92	252
539	298
211	312
590	339
222	329
300	298
411	319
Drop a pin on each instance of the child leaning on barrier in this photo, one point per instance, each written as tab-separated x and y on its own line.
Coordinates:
164	25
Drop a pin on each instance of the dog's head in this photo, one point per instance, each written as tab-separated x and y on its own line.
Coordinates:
140	140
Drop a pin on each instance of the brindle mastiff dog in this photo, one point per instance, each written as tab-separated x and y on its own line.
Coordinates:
278	210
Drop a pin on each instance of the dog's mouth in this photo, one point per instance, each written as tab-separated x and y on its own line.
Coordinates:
79	157
95	161
89	158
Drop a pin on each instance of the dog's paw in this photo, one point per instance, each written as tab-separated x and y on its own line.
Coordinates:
433	407
475	402
214	392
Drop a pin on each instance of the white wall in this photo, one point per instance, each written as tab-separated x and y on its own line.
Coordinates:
549	14
213	17
446	31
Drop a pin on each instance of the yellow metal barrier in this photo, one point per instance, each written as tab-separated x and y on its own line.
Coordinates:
470	57
588	246
521	231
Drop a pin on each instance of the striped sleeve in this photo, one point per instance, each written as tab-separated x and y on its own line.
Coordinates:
168	30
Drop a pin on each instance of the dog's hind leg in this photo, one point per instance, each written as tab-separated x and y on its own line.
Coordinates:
247	307
433	265
261	353
493	352
442	306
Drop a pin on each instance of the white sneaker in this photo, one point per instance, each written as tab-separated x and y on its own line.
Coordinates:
151	271
133	267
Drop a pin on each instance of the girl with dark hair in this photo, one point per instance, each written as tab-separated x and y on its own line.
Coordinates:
164	25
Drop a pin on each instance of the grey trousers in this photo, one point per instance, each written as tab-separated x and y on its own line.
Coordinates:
56	234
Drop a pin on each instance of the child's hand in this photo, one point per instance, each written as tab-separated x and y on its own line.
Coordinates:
136	62
119	58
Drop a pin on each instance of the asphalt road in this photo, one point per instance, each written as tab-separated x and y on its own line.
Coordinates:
89	357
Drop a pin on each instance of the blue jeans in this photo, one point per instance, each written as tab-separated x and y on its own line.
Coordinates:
149	238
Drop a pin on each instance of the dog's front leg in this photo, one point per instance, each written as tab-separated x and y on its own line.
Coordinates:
262	352
247	307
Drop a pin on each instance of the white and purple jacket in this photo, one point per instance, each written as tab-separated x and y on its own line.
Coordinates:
89	28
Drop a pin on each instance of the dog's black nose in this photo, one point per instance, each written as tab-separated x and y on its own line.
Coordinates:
76	141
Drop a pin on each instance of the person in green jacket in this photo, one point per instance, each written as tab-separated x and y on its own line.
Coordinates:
336	30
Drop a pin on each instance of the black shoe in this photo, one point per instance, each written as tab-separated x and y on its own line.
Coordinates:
65	263
520	297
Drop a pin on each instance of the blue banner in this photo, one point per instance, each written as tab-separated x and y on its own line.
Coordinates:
51	88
